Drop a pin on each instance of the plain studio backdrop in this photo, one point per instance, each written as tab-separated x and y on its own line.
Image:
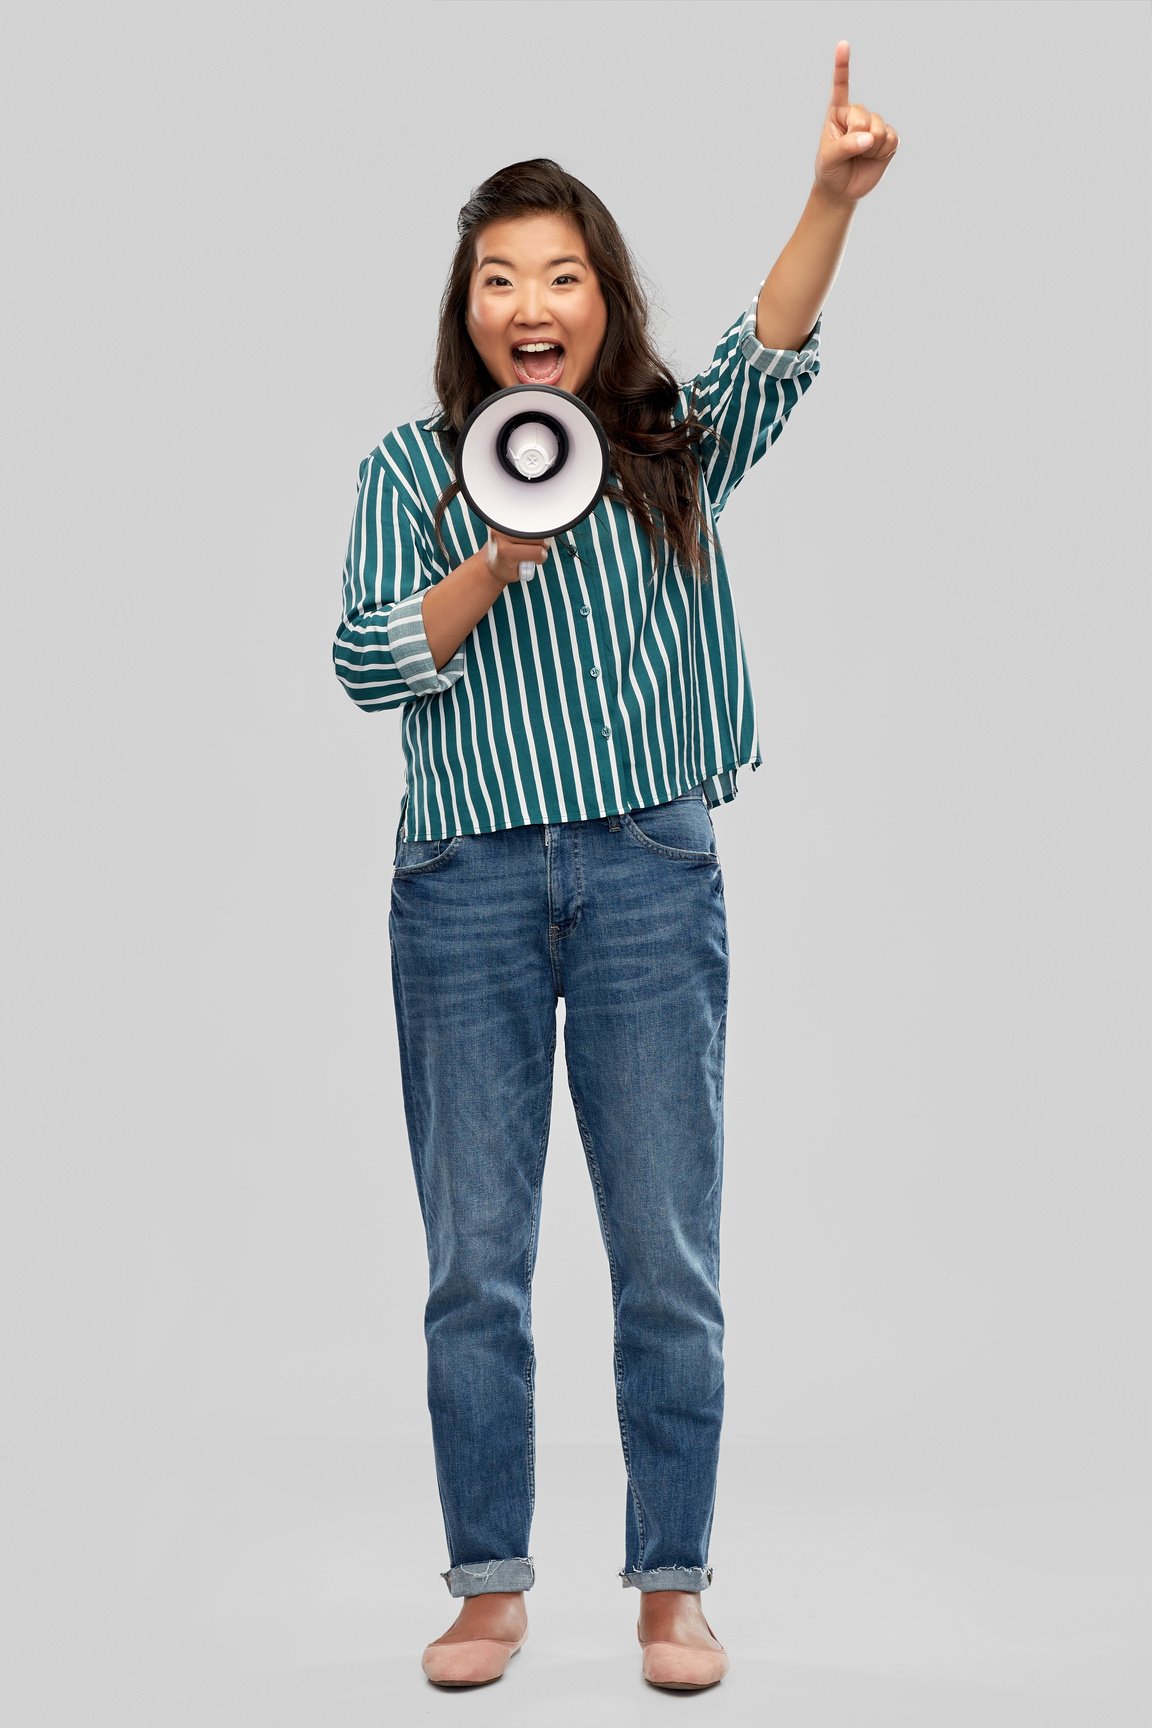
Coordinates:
226	232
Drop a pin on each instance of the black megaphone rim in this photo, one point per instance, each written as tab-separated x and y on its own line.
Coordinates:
534	390
532	417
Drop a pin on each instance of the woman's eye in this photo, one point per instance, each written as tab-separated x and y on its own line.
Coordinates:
491	281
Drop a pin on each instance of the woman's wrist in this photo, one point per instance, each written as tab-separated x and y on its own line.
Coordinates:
489	553
455	605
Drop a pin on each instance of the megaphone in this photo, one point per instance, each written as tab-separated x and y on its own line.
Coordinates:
532	462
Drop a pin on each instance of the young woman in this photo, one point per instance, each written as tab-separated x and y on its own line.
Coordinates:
565	740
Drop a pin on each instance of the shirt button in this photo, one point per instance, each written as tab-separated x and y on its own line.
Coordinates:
606	731
584	610
594	671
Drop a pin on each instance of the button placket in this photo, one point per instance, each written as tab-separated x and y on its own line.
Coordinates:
587	561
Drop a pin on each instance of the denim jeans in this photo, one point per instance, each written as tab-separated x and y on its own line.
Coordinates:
624	917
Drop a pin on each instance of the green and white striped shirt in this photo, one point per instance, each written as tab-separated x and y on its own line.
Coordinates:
592	689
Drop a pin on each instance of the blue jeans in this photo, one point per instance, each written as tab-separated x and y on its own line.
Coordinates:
624	917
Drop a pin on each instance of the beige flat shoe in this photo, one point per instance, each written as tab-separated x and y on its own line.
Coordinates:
469	1661
680	1667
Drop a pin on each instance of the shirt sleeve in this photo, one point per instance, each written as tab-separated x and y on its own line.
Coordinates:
381	653
744	399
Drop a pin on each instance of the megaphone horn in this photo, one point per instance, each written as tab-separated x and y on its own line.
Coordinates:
532	462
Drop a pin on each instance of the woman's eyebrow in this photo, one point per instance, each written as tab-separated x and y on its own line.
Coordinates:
551	264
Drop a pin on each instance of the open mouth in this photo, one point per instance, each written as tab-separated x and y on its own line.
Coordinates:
538	362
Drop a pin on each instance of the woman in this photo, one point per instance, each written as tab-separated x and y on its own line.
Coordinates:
565	739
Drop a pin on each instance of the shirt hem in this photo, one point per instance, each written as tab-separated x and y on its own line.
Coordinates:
719	787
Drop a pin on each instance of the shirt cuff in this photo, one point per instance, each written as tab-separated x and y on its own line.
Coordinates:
411	655
778	362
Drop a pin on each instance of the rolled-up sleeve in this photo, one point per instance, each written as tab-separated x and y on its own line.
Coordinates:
743	399
381	653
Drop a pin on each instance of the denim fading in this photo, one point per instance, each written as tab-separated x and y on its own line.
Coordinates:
624	917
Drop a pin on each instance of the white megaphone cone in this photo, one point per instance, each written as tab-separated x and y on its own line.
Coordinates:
532	462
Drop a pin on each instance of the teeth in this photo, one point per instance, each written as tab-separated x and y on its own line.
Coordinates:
535	347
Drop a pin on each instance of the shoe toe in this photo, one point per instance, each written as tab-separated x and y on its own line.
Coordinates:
468	1661
680	1666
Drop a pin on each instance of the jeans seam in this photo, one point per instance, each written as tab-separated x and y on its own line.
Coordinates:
484	1569
667	851
528	1258
414	1114
451	845
578	859
628	1573
598	1190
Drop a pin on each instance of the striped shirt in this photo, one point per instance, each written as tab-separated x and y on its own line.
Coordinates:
611	681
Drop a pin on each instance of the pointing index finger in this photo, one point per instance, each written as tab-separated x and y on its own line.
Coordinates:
840	83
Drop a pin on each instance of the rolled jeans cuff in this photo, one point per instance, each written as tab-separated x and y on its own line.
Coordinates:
668	1578
485	1576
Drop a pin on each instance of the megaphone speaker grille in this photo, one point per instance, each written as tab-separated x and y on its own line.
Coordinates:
532	447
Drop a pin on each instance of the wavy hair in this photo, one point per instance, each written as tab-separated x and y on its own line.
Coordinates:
630	390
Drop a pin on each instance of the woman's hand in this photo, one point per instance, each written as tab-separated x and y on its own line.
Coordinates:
506	555
856	145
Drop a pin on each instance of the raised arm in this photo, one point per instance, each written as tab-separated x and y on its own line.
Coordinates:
856	146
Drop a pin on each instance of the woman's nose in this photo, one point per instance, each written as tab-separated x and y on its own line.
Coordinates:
531	305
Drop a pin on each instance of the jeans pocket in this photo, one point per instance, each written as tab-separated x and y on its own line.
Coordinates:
420	857
682	828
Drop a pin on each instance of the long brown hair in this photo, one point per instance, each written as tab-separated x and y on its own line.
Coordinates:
630	390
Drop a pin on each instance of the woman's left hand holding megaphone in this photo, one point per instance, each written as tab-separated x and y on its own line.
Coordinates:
514	560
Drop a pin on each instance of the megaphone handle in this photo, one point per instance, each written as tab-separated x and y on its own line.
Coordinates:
527	571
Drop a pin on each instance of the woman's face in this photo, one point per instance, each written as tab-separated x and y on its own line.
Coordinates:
532	282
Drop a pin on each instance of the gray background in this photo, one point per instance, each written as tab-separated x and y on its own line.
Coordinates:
227	230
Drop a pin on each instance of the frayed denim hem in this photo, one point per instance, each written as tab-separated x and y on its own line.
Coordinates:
668	1578
487	1576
